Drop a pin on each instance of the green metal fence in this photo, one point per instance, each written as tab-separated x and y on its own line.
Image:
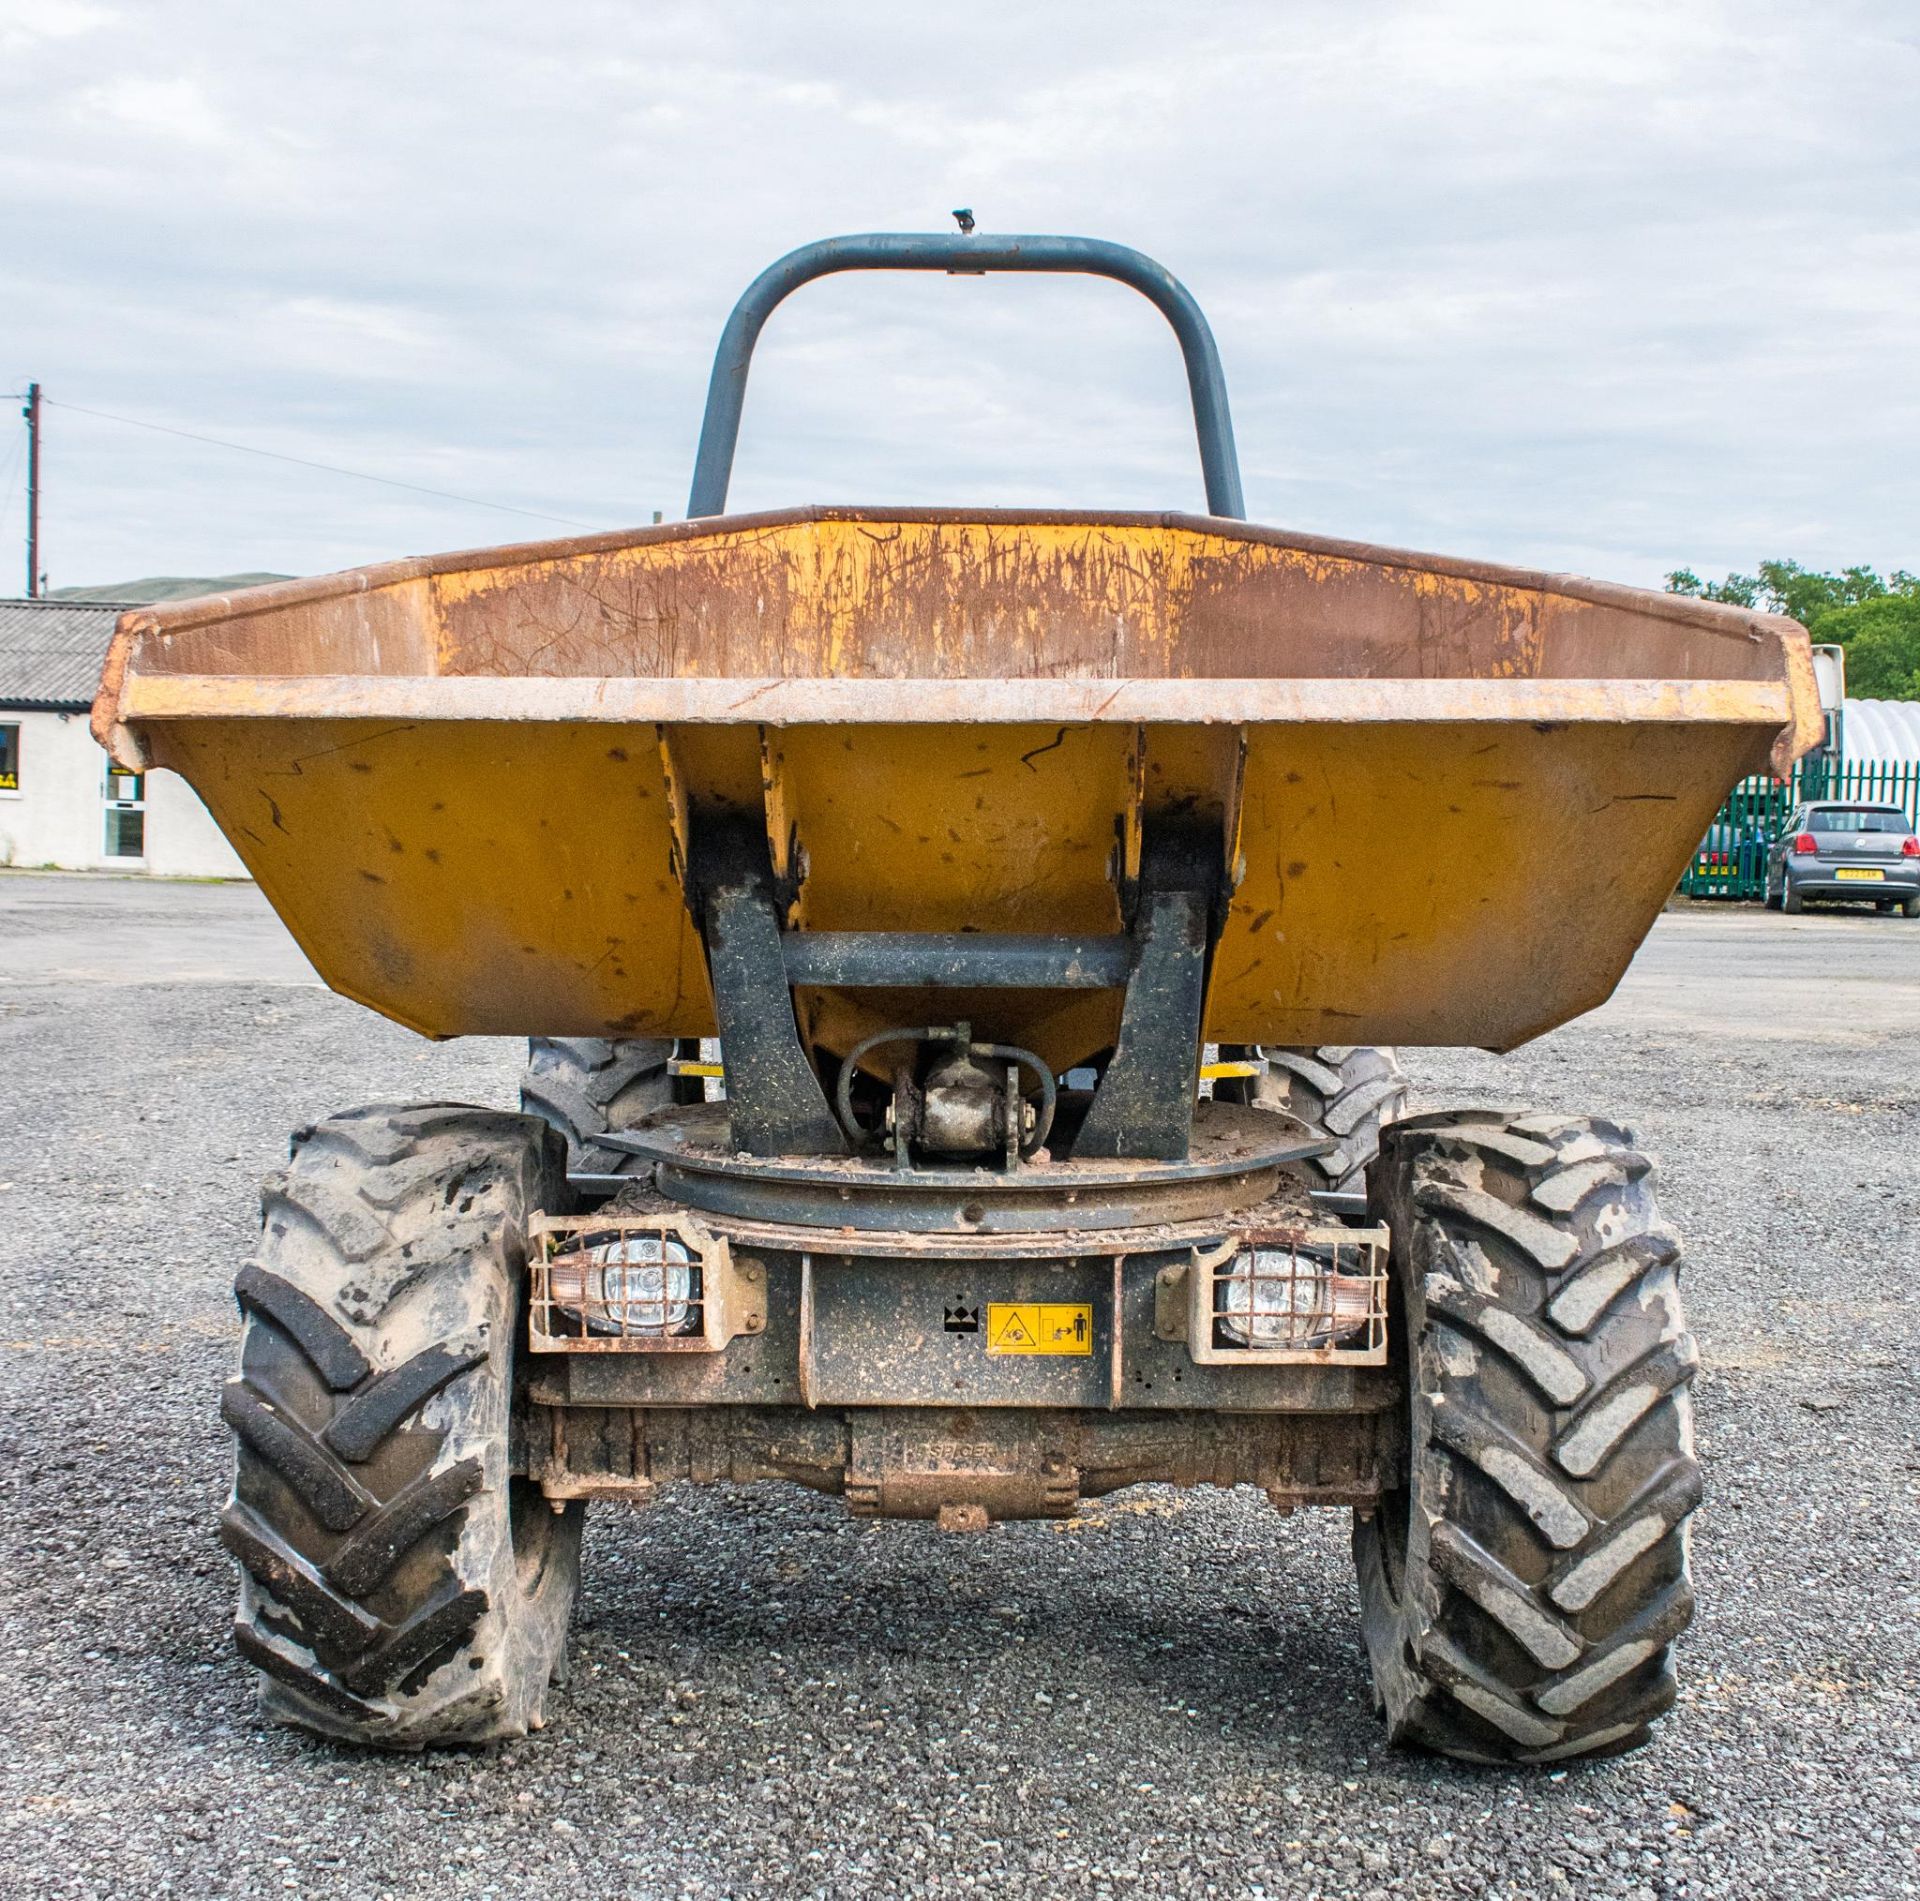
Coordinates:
1732	859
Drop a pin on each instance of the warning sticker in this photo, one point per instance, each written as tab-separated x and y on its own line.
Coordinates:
1029	1326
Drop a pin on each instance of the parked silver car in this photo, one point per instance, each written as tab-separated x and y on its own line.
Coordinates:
1846	849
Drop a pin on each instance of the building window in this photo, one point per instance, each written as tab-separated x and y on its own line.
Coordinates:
126	813
9	759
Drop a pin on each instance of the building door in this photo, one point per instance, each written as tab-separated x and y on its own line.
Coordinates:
126	813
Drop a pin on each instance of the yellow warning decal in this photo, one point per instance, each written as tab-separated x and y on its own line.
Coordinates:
1030	1326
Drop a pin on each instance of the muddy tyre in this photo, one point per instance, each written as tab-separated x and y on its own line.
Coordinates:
1347	1093
585	1085
398	1585
1521	1594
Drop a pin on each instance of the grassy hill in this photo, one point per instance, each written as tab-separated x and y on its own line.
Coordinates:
164	587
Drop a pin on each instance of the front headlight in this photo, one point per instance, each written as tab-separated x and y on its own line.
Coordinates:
644	1285
1289	1297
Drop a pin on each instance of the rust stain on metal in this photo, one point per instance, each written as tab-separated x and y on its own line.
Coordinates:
964	1469
465	782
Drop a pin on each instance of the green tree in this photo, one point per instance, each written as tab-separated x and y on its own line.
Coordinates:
1806	596
1876	620
1741	590
1882	639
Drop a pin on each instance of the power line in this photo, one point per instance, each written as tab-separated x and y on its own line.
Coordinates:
327	468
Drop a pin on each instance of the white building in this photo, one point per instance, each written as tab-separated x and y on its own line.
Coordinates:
63	803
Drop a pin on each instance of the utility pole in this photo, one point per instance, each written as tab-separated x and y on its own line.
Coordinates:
32	414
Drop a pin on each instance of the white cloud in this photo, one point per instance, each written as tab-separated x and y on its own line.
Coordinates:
23	23
1607	286
166	109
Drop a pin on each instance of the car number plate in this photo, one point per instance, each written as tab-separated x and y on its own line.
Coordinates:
1873	876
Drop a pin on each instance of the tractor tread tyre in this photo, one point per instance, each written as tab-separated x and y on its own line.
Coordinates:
398	1587
585	1085
1520	1596
1348	1093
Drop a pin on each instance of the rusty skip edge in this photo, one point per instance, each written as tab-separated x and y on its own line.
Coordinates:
1763	704
1788	701
913	701
204	609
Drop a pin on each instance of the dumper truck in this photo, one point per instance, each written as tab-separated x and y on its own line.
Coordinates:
961	951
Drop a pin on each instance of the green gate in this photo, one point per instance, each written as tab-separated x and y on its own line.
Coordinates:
1732	859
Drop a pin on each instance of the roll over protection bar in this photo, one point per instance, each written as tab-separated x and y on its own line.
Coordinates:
964	255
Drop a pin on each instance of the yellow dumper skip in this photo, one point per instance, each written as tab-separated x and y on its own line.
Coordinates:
463	781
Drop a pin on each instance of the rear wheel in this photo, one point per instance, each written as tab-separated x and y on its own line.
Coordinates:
585	1086
1910	907
1347	1093
1791	901
398	1585
1519	1595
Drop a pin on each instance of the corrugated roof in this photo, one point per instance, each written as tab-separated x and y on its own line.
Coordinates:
50	651
1881	732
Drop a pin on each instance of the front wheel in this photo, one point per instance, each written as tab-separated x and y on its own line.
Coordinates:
399	1585
1521	1593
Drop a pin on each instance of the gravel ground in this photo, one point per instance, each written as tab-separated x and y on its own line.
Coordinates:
1164	1696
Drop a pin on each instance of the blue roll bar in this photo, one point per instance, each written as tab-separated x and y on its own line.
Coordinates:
965	255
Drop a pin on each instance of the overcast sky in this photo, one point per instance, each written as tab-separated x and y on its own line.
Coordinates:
1603	287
